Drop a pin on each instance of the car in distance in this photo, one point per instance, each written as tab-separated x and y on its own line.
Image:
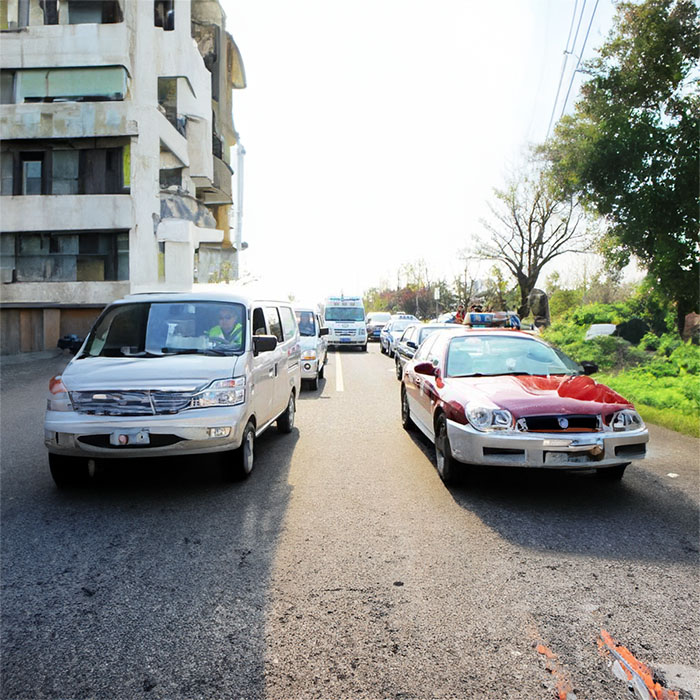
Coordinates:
314	345
165	374
506	398
376	320
392	331
406	346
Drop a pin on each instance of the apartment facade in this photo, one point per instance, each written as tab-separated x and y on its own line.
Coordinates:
115	173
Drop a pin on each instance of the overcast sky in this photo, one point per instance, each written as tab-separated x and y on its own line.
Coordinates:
375	130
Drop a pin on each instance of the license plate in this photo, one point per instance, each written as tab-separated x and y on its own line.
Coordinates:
345	340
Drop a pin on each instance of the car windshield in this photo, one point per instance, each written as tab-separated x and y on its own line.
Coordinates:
378	318
470	356
401	325
157	329
425	332
345	313
307	325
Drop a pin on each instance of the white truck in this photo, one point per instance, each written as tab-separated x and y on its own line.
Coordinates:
345	319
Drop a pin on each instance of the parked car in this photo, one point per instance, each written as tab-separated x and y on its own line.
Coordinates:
507	398
392	331
167	374
314	345
405	348
376	320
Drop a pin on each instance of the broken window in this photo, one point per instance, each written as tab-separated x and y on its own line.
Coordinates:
64	171
164	14
50	8
7	87
65	257
94	12
170	177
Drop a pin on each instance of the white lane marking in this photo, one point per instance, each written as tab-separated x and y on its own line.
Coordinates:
672	475
339	386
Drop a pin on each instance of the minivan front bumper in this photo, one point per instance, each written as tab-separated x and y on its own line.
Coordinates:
188	432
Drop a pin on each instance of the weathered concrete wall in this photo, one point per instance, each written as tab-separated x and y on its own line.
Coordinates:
63	292
67	212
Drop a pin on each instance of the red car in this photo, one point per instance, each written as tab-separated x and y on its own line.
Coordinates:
506	398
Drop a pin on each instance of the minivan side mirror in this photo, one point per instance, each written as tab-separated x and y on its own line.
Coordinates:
264	343
589	367
323	331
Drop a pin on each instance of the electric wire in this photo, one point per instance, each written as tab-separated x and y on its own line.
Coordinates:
567	51
580	56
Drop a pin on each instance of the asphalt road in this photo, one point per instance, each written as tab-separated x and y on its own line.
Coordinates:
343	568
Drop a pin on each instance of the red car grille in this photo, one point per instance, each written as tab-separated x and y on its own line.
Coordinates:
560	424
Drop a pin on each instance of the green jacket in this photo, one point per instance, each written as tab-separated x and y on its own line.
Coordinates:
236	335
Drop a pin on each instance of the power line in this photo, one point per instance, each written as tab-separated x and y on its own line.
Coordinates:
580	56
566	57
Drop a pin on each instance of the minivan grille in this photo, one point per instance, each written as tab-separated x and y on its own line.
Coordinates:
130	403
559	424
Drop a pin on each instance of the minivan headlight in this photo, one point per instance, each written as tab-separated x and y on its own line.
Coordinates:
485	418
627	419
221	392
309	355
58	398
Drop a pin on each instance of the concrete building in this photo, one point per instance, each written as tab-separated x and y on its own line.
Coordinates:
116	126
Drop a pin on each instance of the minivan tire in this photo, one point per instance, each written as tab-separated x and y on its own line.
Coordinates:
69	472
285	423
238	464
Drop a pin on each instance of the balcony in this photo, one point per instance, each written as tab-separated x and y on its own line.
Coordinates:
80	212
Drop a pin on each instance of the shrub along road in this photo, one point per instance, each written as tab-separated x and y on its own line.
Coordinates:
342	568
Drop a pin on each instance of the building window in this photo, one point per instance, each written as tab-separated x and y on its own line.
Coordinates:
94	84
65	171
170	177
164	14
32	169
65	257
94	12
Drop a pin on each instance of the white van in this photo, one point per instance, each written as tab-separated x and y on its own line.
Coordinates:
314	344
165	374
345	318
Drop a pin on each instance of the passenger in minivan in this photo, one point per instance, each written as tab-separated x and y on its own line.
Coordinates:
306	324
229	329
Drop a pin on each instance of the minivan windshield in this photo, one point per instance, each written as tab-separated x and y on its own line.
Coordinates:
157	329
345	313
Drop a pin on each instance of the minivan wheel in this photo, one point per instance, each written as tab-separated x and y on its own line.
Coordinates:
238	464
399	371
69	472
285	423
313	383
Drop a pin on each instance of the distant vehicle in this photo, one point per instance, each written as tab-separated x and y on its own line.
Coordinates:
345	319
376	320
405	348
505	398
393	331
165	374
314	345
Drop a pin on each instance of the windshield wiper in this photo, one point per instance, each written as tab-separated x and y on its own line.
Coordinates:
192	351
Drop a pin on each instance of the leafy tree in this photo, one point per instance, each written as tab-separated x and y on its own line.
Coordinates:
630	149
530	228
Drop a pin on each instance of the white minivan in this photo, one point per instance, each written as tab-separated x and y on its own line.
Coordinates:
314	344
181	373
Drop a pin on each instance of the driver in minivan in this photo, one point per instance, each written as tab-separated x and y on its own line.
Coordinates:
229	329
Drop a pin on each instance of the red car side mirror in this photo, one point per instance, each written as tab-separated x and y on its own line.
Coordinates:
427	368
